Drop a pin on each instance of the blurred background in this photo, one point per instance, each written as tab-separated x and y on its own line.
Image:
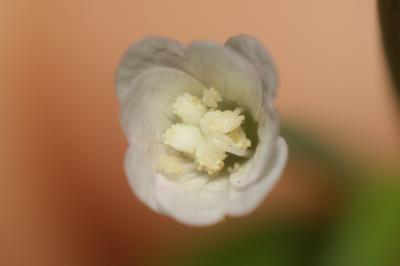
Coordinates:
65	200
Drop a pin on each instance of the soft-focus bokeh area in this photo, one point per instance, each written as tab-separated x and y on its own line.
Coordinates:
64	198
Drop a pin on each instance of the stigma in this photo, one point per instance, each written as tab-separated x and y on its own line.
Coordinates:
205	136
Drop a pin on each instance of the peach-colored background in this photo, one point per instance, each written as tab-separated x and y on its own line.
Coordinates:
63	194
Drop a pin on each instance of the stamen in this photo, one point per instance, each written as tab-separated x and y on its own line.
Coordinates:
204	135
209	157
211	98
234	168
221	121
185	138
225	143
174	165
240	139
189	109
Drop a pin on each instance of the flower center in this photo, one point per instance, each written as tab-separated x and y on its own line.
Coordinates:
204	136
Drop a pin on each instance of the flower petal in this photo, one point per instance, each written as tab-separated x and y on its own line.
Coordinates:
147	111
229	73
251	49
150	52
140	170
144	117
243	201
254	168
199	200
203	200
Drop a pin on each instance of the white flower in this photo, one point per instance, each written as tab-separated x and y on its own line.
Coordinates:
203	133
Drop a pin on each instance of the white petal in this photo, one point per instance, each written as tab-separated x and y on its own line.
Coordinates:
250	48
198	201
145	54
230	74
140	165
243	201
147	111
144	119
262	159
203	200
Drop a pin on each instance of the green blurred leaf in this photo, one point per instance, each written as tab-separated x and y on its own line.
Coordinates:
267	244
304	145
369	233
367	230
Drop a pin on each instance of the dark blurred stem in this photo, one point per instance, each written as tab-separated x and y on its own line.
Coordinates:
389	16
